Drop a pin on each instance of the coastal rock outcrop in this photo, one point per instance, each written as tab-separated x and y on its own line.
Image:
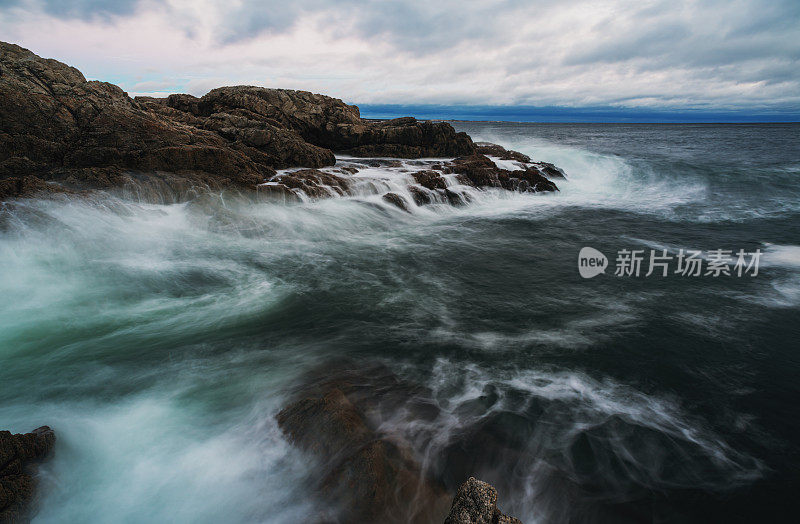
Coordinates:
18	455
58	127
480	171
62	133
476	503
495	150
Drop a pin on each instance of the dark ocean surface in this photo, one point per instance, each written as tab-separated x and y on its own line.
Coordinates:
159	340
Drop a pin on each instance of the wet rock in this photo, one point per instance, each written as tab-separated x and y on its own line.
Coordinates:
19	454
455	198
495	150
421	197
430	179
479	171
395	200
380	162
550	170
369	476
313	182
476	503
56	126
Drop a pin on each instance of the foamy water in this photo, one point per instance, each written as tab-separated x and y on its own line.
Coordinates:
159	340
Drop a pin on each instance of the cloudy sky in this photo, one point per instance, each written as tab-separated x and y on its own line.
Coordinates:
714	55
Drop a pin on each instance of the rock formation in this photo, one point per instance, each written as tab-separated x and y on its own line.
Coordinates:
366	471
18	455
60	132
367	476
476	503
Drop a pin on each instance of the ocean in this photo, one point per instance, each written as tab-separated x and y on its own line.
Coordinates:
159	340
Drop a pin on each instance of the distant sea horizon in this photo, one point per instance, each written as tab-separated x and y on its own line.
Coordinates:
565	115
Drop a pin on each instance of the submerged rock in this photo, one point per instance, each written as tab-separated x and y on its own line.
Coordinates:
365	475
342	414
476	503
18	455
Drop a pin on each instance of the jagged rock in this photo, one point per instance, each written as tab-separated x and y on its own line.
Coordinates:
54	122
430	179
368	476
480	171
487	148
59	132
395	200
550	170
18	454
56	126
476	503
313	182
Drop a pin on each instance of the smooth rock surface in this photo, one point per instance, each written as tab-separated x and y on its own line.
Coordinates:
365	475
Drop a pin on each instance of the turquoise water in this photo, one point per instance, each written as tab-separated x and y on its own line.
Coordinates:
160	340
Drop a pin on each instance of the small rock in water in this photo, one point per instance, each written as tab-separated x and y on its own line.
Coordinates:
18	453
476	503
395	200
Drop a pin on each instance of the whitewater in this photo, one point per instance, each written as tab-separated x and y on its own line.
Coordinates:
160	336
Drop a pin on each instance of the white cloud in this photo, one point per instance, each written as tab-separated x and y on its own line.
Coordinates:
682	54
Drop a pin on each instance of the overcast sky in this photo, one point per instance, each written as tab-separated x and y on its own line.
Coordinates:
649	54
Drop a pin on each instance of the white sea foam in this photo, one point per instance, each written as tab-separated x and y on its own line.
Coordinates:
787	256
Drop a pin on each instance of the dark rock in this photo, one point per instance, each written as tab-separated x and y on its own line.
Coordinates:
396	200
18	455
550	170
368	476
454	198
480	171
56	126
343	405
430	179
476	503
420	196
59	132
487	148
312	182
330	123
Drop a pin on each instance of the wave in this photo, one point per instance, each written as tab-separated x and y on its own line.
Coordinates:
545	436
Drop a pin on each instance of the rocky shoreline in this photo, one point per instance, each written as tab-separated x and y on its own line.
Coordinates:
62	133
362	470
